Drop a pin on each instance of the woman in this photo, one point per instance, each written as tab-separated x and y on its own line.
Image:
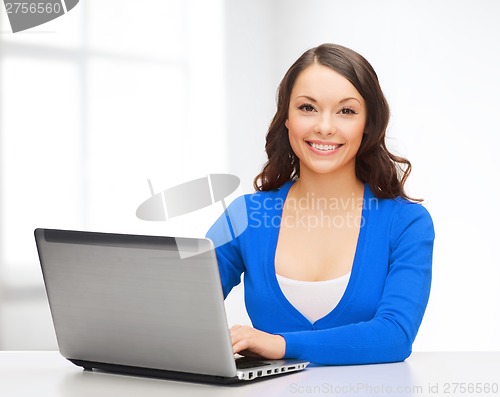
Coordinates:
336	257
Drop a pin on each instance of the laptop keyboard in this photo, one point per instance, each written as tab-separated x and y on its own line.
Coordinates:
242	363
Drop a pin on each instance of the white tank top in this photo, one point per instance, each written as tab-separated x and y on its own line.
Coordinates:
314	299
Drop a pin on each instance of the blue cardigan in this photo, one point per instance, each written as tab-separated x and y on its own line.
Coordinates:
380	312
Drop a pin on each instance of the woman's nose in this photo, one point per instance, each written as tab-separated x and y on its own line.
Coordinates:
326	125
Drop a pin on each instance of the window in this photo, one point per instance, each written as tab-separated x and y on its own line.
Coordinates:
92	105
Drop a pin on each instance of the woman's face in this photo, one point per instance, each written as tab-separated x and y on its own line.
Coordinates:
326	121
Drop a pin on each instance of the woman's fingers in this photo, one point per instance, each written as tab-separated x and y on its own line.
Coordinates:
249	341
239	338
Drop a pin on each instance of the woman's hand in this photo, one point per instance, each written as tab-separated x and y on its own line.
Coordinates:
251	342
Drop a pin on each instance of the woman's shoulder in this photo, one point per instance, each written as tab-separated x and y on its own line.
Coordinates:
269	199
408	209
397	204
249	205
399	211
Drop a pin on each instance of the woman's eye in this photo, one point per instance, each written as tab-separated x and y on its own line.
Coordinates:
347	111
306	107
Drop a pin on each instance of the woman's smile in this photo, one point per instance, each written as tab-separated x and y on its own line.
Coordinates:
325	148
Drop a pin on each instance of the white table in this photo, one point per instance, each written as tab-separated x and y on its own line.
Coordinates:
40	374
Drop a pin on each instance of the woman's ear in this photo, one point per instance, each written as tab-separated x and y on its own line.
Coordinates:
286	123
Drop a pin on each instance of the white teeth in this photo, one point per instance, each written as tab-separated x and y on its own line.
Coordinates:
323	147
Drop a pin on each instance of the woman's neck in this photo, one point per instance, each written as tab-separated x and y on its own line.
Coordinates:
339	186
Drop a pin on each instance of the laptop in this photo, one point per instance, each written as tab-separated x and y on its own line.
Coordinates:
143	305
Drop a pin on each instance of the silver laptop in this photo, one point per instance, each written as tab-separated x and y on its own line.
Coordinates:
143	305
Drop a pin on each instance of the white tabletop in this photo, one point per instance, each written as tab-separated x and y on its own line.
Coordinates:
43	374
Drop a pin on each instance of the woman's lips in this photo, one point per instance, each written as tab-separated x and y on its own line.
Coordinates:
324	148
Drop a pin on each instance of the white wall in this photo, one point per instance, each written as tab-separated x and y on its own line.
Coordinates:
92	105
438	63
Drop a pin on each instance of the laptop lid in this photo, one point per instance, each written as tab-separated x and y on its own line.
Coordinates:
137	301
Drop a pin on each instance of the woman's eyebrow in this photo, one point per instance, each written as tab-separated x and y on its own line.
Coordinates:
347	99
307	97
314	100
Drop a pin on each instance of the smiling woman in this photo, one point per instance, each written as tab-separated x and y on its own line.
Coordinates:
345	284
385	172
326	120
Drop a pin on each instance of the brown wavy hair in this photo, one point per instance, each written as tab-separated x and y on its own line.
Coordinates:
384	172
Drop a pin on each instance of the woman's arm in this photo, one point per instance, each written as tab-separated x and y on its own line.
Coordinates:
224	235
389	335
